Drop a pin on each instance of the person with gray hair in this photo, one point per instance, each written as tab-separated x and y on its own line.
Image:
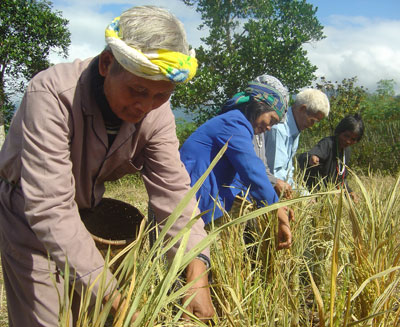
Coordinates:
281	142
79	125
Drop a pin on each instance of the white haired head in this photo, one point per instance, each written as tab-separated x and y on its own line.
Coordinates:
148	28
314	100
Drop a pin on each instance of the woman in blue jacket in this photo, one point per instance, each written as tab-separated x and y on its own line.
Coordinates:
254	111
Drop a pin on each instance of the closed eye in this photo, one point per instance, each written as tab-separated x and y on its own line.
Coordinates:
138	89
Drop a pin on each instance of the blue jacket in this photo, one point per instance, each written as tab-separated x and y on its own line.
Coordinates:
239	160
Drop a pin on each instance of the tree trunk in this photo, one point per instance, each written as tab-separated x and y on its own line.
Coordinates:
2	97
2	131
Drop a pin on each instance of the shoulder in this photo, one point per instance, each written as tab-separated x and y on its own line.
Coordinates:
58	78
328	141
279	130
232	116
160	118
324	147
232	122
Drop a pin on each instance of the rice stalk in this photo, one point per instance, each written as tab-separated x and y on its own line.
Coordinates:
254	285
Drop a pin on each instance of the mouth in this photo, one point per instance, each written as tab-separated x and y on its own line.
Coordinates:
133	116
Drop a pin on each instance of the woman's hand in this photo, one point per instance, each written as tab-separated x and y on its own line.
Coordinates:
314	160
283	189
284	237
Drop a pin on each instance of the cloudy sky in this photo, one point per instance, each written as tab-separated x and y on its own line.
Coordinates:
362	36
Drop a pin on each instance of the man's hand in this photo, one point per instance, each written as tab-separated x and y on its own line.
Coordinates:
284	233
283	189
201	305
314	160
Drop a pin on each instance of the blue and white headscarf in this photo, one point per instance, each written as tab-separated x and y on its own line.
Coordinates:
267	89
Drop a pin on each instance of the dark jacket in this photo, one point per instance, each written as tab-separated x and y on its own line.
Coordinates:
331	163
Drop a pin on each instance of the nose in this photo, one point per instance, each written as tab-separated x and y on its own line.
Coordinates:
145	104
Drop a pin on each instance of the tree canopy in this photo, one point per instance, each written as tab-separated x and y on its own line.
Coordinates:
379	148
345	98
29	30
248	38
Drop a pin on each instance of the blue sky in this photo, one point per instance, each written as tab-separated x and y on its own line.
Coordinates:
362	36
389	9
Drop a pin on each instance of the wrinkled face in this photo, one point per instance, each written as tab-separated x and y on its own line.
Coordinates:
346	139
131	97
265	121
305	119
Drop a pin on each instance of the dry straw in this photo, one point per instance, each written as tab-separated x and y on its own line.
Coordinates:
342	270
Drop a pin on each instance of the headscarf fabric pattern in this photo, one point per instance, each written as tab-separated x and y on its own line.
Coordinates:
267	89
161	64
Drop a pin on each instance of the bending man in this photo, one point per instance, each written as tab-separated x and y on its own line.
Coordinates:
79	125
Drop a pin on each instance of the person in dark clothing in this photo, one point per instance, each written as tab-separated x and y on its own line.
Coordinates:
328	159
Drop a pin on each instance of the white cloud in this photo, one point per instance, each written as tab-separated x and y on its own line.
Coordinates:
358	46
88	20
354	46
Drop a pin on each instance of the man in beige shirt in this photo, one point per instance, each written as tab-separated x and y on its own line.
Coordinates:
81	124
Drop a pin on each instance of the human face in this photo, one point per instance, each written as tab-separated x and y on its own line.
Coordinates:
131	97
347	138
305	119
265	121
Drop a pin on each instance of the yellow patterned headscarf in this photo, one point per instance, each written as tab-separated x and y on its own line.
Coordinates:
160	64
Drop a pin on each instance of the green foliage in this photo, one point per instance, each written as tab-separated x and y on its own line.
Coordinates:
246	39
184	129
6	113
383	104
345	98
29	30
386	87
380	147
379	150
255	285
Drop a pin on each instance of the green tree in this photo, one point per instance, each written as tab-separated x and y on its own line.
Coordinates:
29	30
248	38
383	105
345	98
385	87
379	148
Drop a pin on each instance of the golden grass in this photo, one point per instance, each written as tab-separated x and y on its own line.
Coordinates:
3	302
342	270
129	189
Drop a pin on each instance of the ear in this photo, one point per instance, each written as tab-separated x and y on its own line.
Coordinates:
106	60
303	109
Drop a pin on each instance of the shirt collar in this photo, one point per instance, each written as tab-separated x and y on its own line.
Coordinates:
291	123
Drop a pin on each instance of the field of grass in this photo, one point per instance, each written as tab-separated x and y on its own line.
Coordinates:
342	270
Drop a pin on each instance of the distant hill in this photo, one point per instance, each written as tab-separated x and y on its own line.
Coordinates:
180	114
